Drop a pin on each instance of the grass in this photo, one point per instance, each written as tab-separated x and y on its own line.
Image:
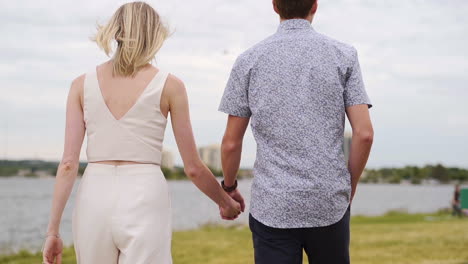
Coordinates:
394	238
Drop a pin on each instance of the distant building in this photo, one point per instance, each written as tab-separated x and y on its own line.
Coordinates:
211	156
347	145
167	160
43	174
24	172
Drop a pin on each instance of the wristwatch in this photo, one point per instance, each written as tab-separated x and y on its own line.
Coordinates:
230	188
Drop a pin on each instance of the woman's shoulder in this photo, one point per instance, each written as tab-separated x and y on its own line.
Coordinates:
174	84
77	87
79	81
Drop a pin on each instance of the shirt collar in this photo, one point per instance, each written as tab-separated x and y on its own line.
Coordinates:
291	24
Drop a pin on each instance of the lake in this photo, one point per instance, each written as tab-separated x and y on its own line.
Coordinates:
25	204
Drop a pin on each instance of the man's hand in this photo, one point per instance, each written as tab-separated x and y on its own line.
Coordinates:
231	211
236	195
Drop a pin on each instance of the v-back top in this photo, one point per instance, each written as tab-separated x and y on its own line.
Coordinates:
137	136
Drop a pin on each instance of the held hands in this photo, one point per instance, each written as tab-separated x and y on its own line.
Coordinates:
234	208
236	195
52	251
231	211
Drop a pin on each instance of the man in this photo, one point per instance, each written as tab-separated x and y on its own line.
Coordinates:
296	88
456	203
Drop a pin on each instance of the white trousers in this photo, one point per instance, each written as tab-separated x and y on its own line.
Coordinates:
122	215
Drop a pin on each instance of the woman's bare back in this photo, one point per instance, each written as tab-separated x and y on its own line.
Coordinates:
121	94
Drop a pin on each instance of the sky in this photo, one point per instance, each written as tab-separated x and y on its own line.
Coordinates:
413	55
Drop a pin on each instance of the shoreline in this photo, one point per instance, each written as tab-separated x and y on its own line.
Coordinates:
404	235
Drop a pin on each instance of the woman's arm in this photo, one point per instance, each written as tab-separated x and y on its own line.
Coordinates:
176	100
66	172
68	167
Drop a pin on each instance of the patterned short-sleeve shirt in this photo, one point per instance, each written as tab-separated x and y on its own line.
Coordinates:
295	87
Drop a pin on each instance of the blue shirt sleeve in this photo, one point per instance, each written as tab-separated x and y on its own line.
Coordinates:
355	92
235	100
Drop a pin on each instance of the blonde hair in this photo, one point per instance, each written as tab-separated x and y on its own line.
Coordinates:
139	33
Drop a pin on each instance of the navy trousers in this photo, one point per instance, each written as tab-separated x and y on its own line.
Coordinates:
323	245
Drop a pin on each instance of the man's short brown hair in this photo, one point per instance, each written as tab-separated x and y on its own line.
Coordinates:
289	9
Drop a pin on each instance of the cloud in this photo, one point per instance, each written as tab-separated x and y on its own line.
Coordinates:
413	55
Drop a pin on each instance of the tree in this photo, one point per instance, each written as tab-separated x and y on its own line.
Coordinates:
440	173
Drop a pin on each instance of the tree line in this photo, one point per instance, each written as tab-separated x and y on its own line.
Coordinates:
32	168
413	174
416	175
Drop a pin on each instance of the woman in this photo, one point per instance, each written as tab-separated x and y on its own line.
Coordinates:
122	212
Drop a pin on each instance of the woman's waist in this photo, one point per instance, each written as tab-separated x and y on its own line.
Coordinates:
125	158
121	162
129	168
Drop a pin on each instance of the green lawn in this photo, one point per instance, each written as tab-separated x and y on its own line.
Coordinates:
393	238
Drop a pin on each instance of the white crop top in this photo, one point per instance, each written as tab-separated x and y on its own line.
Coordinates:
137	136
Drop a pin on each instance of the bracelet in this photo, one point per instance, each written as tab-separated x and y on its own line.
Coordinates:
230	188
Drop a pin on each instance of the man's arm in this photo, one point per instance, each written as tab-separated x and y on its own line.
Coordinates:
231	149
361	143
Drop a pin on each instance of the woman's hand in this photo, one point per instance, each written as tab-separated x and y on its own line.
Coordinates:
231	211
52	252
